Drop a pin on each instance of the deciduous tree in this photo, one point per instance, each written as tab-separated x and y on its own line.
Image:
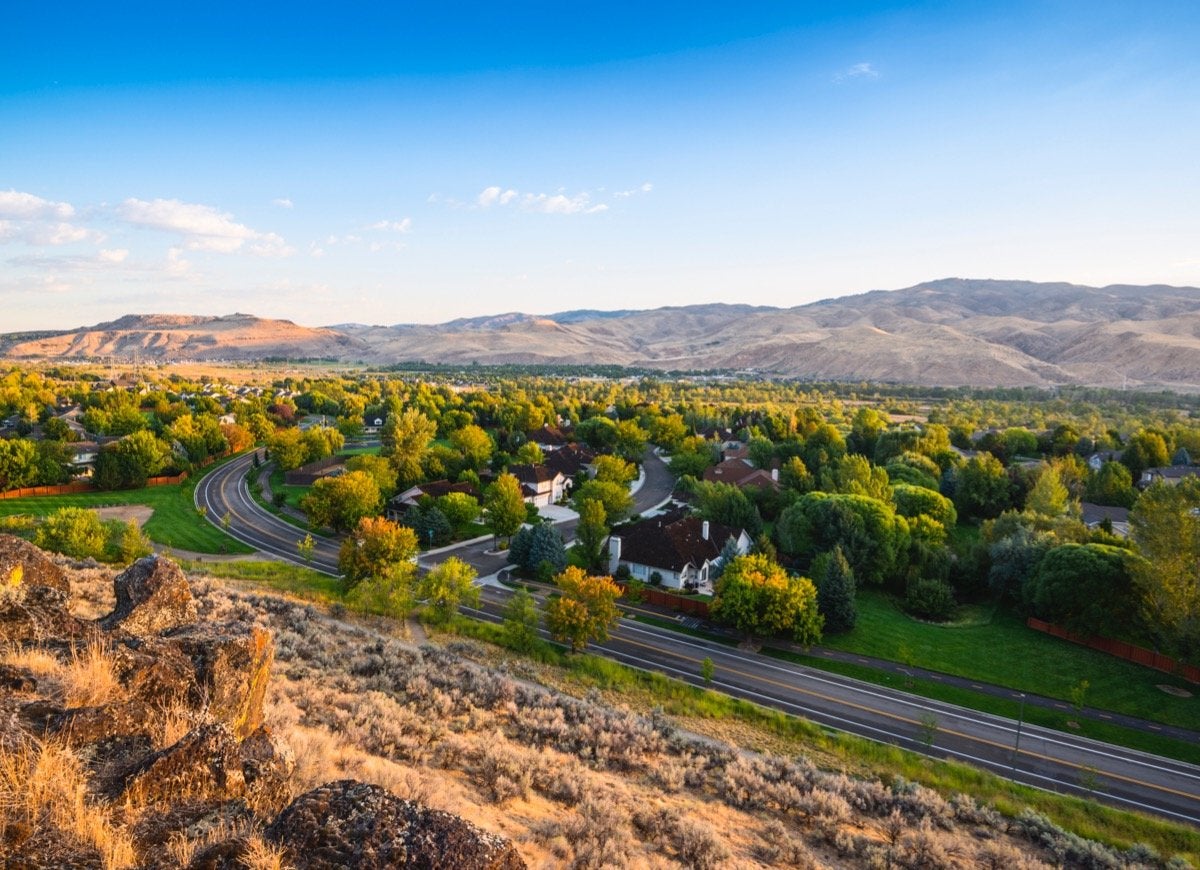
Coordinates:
377	548
504	506
758	598
585	609
340	502
446	586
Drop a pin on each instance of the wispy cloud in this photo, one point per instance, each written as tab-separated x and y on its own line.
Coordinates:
26	206
403	225
202	227
104	259
860	71
634	191
544	203
282	202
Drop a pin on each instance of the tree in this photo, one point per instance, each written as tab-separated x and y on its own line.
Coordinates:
17	463
380	470
1084	587
1146	449
377	548
504	506
238	438
1111	485
72	531
982	491
630	441
404	439
1049	497
459	508
535	546
618	503
835	591
794	475
616	470
305	547
758	598
1165	526
340	502
433	527
446	586
873	538
474	444
130	462
591	531
519	628
133	543
913	501
854	474
728	505
584	610
287	449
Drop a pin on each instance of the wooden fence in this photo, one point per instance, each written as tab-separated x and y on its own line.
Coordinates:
680	603
83	486
1122	650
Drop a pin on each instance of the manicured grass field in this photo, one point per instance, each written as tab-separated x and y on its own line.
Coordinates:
293	493
1003	651
175	522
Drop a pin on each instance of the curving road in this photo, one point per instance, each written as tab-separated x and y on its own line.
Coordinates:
1044	758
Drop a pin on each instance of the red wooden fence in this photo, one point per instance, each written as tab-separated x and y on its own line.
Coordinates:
681	603
72	488
1123	650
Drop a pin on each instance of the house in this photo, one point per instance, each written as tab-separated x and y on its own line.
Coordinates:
83	457
678	546
540	484
741	473
1096	460
1095	514
307	475
1171	475
399	504
571	460
550	438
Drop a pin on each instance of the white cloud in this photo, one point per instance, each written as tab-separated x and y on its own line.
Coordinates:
545	203
282	202
203	227
634	191
26	206
857	71
400	226
115	255
104	259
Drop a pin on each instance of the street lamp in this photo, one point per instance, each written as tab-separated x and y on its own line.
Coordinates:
1017	745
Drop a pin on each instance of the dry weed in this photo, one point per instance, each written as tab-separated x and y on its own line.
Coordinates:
88	678
261	855
44	785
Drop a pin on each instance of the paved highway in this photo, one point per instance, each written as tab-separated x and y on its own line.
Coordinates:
1033	755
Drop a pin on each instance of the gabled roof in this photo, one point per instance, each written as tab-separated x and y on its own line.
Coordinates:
1094	514
434	489
533	473
739	473
1173	472
673	541
570	460
549	435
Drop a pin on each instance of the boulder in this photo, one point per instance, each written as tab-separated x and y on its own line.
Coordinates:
193	820
154	670
23	566
153	596
267	767
232	664
203	765
13	679
349	824
38	615
86	725
47	848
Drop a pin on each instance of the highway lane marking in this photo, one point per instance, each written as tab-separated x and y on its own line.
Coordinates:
983	740
840	724
821	715
1080	744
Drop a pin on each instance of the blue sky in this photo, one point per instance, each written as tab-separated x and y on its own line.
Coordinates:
399	162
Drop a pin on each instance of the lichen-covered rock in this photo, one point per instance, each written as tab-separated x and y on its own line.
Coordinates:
38	614
154	670
267	767
84	725
47	848
23	566
13	679
193	820
349	824
226	855
153	596
232	664
203	765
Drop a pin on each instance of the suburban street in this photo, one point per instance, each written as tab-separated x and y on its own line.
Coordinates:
1036	756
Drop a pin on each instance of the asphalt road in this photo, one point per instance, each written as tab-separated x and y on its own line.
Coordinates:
1036	756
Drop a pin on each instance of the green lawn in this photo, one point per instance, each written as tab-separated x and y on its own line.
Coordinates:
1003	651
293	493
175	522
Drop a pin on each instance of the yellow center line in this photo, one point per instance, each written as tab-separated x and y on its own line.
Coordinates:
899	718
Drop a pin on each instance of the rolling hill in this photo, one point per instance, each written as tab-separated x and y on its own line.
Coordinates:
952	332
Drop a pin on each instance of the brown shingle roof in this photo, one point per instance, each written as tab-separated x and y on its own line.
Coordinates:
673	541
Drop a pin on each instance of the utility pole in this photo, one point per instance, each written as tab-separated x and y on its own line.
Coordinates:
1017	745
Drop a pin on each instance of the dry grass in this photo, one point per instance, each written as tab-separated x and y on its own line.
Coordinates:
88	678
43	785
261	855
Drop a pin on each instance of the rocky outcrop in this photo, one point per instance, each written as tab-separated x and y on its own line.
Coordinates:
228	771
153	596
354	824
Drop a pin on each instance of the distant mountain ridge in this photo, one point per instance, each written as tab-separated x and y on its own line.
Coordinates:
950	332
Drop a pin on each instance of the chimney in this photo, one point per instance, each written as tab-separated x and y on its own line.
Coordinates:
614	553
775	474
704	530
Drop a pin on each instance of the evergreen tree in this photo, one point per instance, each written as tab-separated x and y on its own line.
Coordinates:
835	591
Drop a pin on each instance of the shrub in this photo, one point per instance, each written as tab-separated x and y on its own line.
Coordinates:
930	599
73	531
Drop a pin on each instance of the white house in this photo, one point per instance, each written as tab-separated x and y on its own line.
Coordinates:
679	547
